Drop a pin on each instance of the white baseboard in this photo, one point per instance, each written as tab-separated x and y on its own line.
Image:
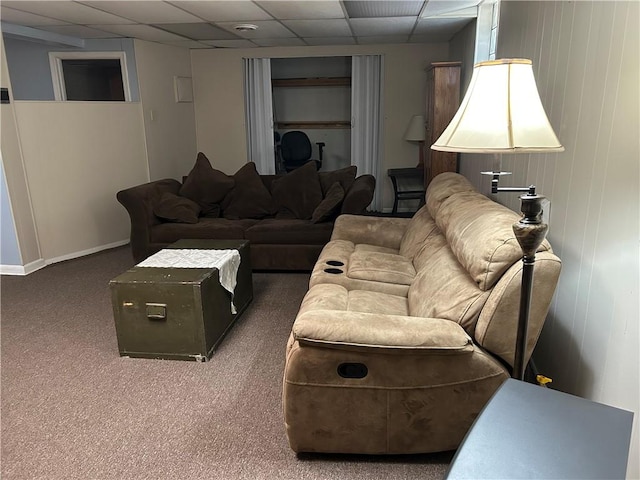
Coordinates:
89	251
22	269
40	263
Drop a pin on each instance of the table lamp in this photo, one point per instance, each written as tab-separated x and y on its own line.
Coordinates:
416	133
502	113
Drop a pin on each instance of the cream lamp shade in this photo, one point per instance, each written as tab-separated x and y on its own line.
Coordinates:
415	131
500	113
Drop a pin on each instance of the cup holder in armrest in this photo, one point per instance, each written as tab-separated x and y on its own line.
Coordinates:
335	263
333	270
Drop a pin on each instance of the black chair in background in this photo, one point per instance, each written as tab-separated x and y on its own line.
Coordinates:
295	150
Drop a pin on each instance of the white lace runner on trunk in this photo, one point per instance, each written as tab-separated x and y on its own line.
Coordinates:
226	261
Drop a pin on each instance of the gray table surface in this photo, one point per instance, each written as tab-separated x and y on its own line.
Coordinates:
528	431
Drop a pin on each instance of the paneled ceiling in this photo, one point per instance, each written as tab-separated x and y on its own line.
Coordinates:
213	23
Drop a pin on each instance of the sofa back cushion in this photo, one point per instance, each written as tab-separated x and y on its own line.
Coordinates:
344	176
442	187
249	198
444	289
298	191
206	186
420	228
480	234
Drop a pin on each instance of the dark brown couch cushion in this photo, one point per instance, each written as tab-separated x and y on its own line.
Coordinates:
298	191
249	197
174	208
345	176
289	232
219	228
206	186
330	205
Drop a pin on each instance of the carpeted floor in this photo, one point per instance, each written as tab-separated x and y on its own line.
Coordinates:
72	408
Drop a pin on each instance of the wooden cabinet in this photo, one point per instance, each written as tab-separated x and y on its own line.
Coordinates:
443	99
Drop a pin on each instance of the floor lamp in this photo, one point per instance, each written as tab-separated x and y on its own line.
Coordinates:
502	113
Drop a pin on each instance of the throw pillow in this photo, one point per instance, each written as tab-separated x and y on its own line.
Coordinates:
299	191
346	176
249	198
206	186
178	209
330	205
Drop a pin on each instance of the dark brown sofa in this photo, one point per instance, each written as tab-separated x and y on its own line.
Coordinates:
284	227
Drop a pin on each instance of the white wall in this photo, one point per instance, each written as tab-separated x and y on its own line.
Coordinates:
169	126
77	156
586	61
219	106
18	216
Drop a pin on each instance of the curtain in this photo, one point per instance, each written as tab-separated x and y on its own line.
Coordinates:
366	119
259	114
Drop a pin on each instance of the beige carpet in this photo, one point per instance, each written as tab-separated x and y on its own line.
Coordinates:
72	408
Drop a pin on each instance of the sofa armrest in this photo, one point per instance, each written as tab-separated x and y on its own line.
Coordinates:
380	231
139	202
387	333
359	196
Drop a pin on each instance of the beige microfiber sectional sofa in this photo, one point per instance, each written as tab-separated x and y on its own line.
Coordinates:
409	326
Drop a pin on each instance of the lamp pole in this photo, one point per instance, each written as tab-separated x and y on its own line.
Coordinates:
530	231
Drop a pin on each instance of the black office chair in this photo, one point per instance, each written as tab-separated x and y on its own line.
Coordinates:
295	150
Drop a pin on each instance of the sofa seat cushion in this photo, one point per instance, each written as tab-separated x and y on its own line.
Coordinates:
220	228
366	248
336	297
289	232
381	267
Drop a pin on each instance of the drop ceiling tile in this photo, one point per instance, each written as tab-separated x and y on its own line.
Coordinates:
145	11
442	7
143	32
230	43
278	42
395	8
18	17
336	27
382	26
188	44
382	39
329	40
69	11
303	10
198	31
79	31
441	26
224	10
266	29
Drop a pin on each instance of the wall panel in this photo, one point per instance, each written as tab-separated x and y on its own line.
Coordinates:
77	156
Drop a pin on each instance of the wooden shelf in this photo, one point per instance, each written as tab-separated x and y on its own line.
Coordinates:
302	125
312	82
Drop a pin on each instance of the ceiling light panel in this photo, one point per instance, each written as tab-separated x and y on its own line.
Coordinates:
303	10
79	31
27	19
367	27
198	31
143	32
266	29
149	11
335	27
368	9
224	10
71	12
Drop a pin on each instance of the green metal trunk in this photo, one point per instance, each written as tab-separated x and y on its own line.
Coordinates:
178	313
